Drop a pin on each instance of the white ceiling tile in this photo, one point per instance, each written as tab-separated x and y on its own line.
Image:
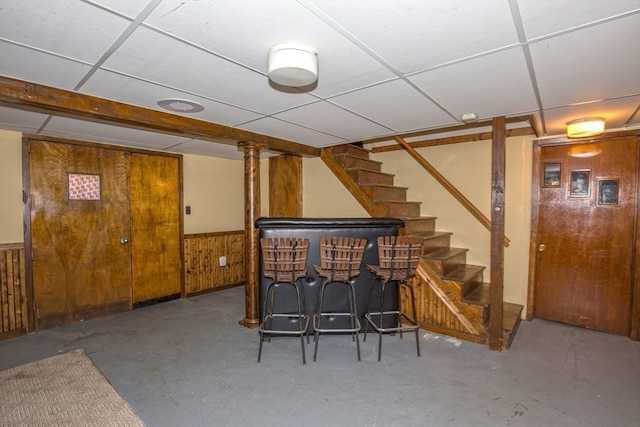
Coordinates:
396	105
542	17
137	92
26	64
21	120
291	132
333	120
160	59
587	65
206	148
110	134
614	112
215	26
70	28
415	35
130	8
492	85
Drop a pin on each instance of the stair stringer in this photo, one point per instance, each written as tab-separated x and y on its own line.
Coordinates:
352	186
439	311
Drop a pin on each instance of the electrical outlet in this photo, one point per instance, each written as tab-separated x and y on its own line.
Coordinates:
188	210
222	261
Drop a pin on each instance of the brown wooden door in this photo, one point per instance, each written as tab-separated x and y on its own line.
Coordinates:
585	231
155	227
80	268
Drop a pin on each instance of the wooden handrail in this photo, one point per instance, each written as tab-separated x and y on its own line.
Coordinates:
448	186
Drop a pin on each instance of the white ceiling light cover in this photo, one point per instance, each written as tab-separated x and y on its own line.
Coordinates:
293	64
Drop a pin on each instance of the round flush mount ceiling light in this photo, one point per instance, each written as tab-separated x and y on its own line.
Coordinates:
293	64
588	126
180	105
469	118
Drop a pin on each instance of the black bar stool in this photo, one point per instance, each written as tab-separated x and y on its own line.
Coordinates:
398	257
340	260
284	262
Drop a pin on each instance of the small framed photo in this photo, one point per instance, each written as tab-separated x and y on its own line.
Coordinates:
608	191
551	175
579	184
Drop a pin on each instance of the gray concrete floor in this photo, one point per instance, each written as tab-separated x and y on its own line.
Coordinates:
188	363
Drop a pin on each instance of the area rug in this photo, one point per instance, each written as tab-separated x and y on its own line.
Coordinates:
63	390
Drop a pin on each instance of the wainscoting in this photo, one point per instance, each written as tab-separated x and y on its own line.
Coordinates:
202	270
202	259
13	292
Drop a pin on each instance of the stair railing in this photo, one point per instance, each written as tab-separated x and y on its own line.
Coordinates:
486	222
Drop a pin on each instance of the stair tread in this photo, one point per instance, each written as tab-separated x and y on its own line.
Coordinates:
368	171
384	186
479	296
511	315
464	273
445	253
427	235
398	202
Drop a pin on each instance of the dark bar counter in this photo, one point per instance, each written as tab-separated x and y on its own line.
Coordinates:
336	297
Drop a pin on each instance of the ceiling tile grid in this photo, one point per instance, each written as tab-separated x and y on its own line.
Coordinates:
385	67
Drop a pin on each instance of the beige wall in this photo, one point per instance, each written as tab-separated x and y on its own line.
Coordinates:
468	167
324	196
10	187
214	188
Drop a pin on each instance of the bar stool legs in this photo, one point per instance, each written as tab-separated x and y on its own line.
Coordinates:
377	318
355	323
398	260
340	260
266	326
284	262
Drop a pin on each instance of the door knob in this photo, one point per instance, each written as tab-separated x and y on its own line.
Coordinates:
124	240
542	247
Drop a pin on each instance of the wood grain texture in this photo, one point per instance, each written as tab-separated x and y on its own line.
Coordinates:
584	271
156	248
202	251
285	186
13	298
80	268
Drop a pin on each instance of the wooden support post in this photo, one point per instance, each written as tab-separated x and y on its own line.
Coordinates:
251	242
498	154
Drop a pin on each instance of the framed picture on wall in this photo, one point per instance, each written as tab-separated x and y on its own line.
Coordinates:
579	184
551	175
608	191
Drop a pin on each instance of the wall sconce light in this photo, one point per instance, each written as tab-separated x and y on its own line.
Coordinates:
292	64
589	126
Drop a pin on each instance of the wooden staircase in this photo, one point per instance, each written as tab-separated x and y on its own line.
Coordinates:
451	296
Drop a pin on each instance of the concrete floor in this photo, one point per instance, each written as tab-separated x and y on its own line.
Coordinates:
188	363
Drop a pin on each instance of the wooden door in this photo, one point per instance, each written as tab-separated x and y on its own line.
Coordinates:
79	212
585	234
155	227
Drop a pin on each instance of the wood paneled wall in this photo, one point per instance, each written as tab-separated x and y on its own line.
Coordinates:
202	253
13	293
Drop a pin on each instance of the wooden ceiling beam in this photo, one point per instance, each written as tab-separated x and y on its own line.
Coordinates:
49	100
454	128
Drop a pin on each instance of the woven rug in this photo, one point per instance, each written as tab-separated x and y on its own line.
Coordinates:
63	390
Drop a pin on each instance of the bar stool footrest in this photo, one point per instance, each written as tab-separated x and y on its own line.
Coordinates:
378	328
316	323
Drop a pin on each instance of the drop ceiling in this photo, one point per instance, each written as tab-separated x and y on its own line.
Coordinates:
385	67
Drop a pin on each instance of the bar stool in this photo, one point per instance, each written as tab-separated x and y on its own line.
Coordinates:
398	257
340	260
284	262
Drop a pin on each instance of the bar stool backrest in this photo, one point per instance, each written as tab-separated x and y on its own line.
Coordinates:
341	257
284	258
398	256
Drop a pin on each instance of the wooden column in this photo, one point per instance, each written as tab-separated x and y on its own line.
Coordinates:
251	242
498	154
